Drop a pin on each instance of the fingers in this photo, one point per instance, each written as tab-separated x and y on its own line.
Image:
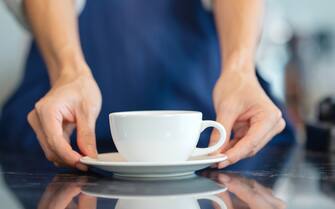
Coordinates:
239	129
249	191
56	141
47	122
254	194
68	130
239	186
245	192
86	132
227	118
262	129
37	127
35	123
274	131
58	195
268	196
63	197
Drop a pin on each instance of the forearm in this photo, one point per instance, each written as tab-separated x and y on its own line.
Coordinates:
238	24
54	25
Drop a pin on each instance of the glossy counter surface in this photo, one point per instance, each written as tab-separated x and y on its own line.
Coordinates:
275	178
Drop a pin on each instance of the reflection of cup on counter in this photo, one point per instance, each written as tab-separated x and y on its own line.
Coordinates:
167	203
172	194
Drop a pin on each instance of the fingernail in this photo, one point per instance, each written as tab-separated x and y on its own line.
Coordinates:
223	164
222	155
81	167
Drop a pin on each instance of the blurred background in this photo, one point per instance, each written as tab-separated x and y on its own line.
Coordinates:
296	55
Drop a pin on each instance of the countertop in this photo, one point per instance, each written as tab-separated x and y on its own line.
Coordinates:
277	177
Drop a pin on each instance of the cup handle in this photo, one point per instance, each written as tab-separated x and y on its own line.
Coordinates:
216	199
205	151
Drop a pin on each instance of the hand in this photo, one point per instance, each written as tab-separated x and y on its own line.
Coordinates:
243	107
253	194
62	191
74	101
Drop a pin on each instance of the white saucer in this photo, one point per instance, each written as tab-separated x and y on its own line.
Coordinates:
113	162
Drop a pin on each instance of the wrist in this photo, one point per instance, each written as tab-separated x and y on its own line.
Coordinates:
241	61
69	67
66	60
243	70
70	72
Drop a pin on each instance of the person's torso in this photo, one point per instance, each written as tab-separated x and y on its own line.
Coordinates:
151	54
144	55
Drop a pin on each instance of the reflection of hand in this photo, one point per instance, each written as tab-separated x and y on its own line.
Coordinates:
243	107
61	192
74	101
253	194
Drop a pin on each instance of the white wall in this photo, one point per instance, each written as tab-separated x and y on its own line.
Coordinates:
309	15
14	43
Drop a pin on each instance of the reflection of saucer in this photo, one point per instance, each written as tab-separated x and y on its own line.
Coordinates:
122	189
113	162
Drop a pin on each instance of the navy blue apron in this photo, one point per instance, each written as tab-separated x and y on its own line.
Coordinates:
144	55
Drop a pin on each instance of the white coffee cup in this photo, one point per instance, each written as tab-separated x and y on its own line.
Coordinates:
161	136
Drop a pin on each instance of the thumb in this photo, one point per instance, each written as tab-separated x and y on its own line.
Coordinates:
86	134
227	119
